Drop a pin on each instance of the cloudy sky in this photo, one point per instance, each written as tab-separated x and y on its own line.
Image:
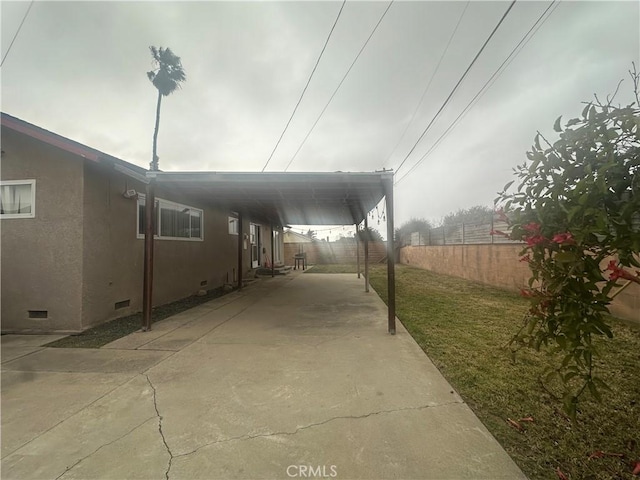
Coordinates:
79	69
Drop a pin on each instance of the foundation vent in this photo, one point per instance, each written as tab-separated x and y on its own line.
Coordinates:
203	283
38	314
122	304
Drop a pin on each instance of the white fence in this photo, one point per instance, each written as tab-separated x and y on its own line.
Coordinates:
461	234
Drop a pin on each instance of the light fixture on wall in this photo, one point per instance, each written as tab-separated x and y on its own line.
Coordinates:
131	193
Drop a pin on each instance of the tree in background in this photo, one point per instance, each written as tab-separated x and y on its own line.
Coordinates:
577	207
167	76
311	234
475	214
370	234
414	225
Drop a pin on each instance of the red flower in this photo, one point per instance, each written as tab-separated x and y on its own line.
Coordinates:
564	238
526	258
526	293
617	272
535	240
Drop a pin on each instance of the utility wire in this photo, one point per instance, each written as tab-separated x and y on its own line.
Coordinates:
457	85
17	32
424	93
489	83
305	87
339	85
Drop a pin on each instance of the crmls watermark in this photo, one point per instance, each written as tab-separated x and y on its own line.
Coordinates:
310	471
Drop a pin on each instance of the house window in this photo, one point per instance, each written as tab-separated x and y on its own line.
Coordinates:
18	199
173	221
234	226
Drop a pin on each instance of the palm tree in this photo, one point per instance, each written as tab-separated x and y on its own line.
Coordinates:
166	77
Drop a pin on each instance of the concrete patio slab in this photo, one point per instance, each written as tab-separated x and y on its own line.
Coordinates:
11	352
29	403
296	377
387	444
16	346
101	423
28	340
82	360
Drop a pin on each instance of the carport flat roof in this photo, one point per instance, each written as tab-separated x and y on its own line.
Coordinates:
317	198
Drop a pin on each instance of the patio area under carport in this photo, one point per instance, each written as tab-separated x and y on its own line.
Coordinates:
283	198
291	375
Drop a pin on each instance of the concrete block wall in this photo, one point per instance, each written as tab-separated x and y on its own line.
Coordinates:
498	265
326	253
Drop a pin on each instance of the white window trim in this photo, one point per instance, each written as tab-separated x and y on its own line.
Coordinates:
168	203
237	223
31	214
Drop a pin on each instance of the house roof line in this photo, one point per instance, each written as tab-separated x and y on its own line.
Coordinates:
71	146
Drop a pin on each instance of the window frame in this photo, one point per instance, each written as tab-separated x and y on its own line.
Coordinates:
232	220
31	182
168	204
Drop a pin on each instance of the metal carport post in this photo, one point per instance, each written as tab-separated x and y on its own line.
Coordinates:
387	184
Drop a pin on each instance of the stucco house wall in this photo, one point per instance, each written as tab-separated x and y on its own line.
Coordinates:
80	259
112	256
41	266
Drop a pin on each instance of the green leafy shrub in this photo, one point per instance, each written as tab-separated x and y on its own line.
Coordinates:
577	207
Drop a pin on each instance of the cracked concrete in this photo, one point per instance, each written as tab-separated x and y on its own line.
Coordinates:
164	439
294	372
312	425
78	462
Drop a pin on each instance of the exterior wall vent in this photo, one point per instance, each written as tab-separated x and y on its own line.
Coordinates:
38	314
203	283
122	304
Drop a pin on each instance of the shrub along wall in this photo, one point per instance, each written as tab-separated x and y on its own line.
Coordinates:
498	265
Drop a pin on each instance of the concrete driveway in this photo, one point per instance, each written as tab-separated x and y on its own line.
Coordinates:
294	377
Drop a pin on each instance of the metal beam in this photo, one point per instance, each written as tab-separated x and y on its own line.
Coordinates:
358	249
273	264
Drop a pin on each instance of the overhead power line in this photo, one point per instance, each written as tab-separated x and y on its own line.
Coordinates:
305	87
16	34
457	85
489	83
435	71
339	85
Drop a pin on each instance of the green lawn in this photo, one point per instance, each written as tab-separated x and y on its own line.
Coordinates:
464	327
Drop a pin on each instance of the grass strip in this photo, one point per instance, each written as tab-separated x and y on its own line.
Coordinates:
464	328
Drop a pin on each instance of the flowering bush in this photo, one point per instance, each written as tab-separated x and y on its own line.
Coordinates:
577	206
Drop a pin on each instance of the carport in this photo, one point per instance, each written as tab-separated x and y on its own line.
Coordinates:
319	198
